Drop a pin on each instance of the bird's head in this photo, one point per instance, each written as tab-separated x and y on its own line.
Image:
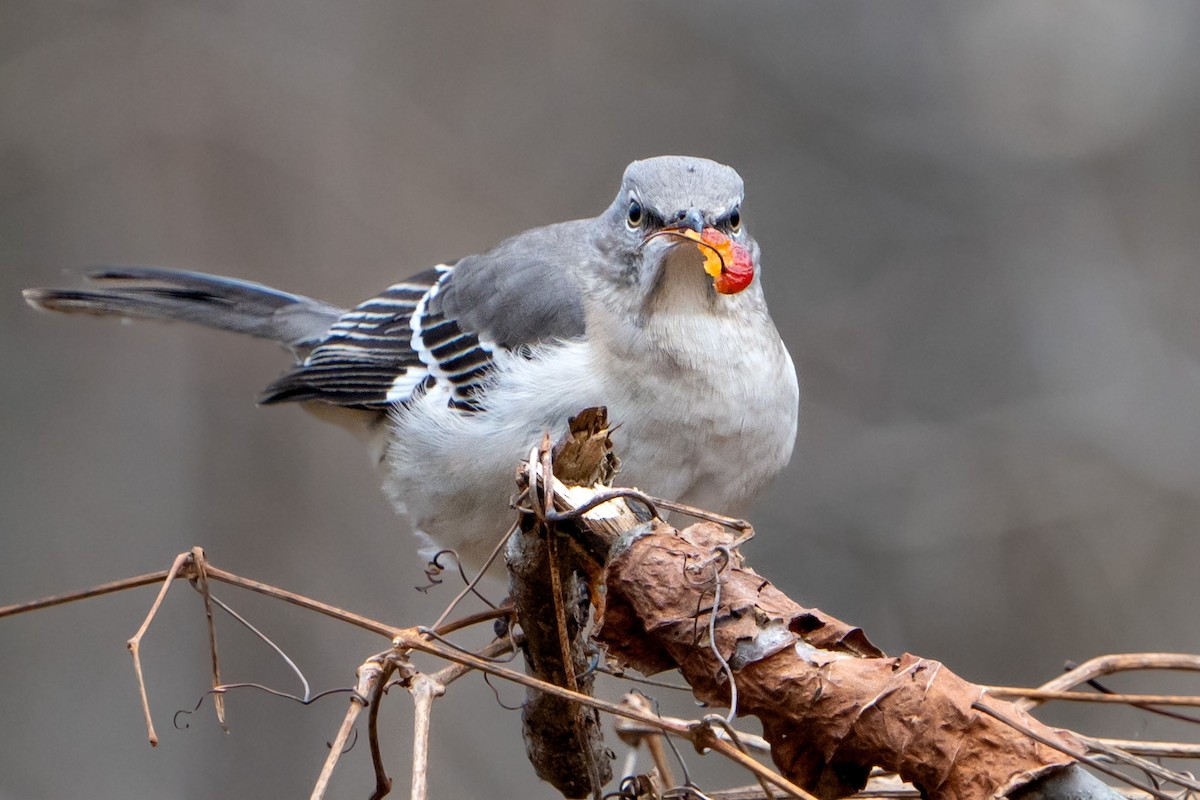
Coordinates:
677	223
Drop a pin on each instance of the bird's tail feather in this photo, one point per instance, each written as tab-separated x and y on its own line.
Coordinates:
224	303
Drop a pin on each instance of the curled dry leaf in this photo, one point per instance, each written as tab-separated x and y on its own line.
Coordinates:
832	705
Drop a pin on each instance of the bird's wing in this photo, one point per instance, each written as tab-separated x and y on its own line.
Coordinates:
443	326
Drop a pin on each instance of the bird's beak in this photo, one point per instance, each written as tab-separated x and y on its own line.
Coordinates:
729	264
691	219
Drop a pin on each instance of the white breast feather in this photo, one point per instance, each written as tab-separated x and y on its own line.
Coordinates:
709	428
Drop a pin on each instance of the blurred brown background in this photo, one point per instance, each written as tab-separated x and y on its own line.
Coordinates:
981	223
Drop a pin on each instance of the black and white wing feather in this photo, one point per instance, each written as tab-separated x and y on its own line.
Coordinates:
444	327
388	348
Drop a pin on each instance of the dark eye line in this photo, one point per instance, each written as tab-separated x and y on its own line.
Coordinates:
733	220
638	216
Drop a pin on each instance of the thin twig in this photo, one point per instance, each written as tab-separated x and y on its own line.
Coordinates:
1107	665
192	564
424	690
625	676
1162	712
471	584
182	568
1089	697
1145	765
564	641
687	778
267	641
358	620
504	611
718	720
1153	749
452	672
200	582
547	476
96	591
134	644
1083	758
368	675
437	637
412	639
699	513
383	784
658	754
635	733
713	742
750	740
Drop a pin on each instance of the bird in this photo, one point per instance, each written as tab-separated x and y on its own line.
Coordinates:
653	309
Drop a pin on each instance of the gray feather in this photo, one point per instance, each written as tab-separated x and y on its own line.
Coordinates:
216	302
525	290
669	183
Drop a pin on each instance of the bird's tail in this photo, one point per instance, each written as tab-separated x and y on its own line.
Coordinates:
216	302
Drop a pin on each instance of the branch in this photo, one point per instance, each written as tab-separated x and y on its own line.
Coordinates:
549	585
183	567
370	673
1107	665
415	639
831	705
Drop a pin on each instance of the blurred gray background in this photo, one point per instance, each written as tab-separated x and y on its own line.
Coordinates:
981	225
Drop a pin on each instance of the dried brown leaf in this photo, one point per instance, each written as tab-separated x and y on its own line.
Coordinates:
831	704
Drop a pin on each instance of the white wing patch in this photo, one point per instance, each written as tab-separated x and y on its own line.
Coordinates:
456	358
404	385
365	359
390	348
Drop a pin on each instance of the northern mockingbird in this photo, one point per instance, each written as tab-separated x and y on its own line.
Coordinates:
654	309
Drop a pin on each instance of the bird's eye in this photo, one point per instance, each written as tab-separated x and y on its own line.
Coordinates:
635	215
735	220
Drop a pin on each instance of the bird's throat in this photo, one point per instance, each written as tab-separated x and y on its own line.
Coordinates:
682	285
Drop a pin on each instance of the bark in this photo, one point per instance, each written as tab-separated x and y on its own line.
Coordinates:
563	740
